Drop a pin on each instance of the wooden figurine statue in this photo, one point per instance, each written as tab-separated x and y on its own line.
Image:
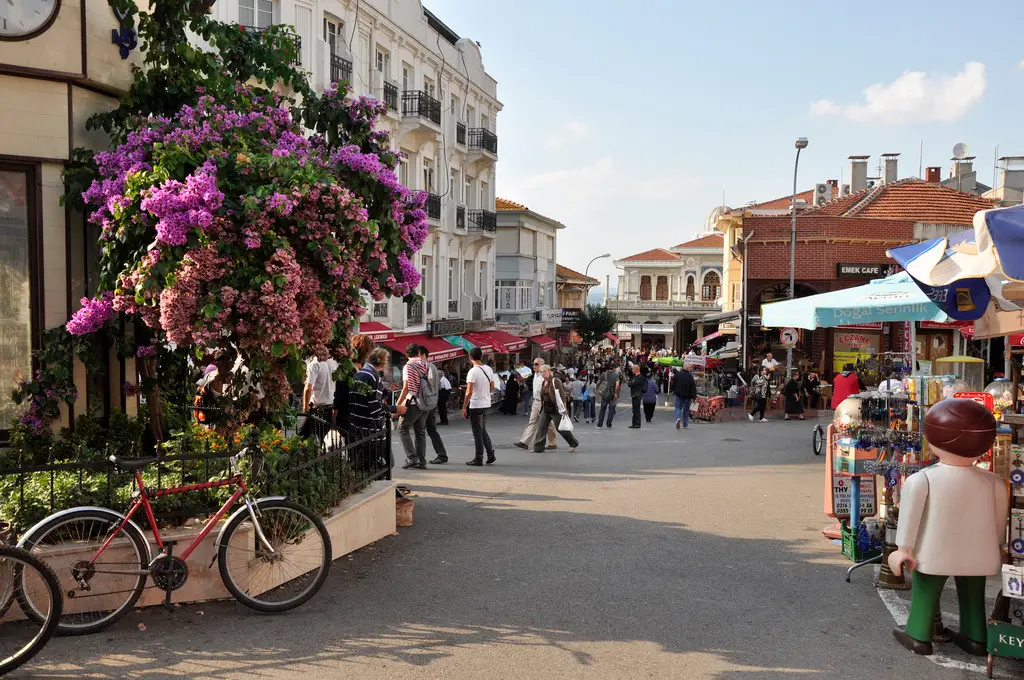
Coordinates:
952	522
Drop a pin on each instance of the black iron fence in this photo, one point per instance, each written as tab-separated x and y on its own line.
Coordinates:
317	468
341	69
460	217
433	206
483	220
416	103
482	138
391	96
460	133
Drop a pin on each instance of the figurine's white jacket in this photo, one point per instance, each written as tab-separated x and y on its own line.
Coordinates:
953	520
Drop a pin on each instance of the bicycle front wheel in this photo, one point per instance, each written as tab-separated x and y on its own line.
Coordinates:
22	637
287	574
99	587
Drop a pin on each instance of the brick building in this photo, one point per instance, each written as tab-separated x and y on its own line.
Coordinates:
840	243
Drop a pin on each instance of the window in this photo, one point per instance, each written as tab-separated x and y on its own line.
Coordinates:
256	13
452	279
428	268
304	31
455	110
471	193
712	286
334	35
645	287
545	246
662	291
429	87
456	186
483	283
383	62
428	175
484	121
470	115
403	172
690	293
17	289
467	191
485	196
407	82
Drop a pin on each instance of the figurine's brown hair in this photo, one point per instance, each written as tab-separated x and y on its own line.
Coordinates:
960	426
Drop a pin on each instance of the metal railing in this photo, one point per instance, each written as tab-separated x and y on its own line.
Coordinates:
341	69
391	96
380	309
478	310
453	306
293	36
661	304
430	307
317	469
417	103
460	133
433	206
483	220
482	138
414	312
460	217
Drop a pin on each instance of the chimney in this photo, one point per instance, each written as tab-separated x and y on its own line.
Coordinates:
1013	172
963	174
889	174
933	174
858	173
962	166
835	187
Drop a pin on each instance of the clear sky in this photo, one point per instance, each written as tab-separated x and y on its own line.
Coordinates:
625	120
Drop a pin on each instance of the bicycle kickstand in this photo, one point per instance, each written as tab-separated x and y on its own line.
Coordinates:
169	545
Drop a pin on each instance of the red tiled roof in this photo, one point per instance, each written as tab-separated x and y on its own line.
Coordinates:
706	241
655	255
784	202
908	199
505	204
564	272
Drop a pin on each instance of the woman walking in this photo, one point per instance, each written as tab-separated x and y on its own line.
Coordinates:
552	408
759	389
510	404
791	391
590	409
650	398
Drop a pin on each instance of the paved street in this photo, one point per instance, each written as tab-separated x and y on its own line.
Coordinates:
690	554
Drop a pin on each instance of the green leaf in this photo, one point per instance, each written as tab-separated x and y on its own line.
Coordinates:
277	349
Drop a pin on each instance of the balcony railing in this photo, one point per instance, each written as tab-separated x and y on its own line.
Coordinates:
416	103
478	310
482	138
293	36
483	220
380	310
414	312
430	307
433	206
460	133
453	306
391	96
341	69
460	217
634	302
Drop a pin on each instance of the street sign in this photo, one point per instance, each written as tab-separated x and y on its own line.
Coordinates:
841	487
789	336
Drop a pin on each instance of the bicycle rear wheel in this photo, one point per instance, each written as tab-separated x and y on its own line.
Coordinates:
22	637
284	579
97	590
818	440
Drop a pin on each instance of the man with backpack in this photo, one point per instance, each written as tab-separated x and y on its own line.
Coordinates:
684	387
414	415
650	398
608	388
430	390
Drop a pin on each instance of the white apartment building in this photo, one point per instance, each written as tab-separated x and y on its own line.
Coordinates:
442	113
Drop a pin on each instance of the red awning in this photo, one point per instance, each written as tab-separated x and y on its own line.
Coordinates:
502	342
611	336
440	350
479	340
378	332
706	338
544	342
944	325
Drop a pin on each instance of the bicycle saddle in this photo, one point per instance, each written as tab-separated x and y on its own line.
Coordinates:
132	463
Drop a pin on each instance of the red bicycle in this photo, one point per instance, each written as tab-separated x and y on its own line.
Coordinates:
273	554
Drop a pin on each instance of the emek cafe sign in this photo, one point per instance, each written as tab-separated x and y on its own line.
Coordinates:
880	307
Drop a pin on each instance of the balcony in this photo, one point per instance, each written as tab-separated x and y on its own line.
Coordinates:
414	313
341	69
460	217
483	220
380	310
478	310
257	30
633	302
391	96
482	139
453	306
433	206
460	133
422	105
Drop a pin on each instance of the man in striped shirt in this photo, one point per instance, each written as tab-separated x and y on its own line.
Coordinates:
368	411
414	418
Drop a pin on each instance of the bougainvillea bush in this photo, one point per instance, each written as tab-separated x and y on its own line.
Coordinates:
226	228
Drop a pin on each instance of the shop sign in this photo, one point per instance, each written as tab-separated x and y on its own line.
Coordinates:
983	398
789	337
534	329
841	487
510	328
854	340
553	318
1006	640
570	316
848	270
754	320
443	327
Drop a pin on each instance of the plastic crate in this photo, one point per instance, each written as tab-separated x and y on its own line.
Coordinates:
850	548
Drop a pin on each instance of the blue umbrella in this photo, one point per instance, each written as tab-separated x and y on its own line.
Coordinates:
962	273
894	298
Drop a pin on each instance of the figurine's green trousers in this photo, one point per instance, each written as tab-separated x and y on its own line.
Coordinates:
924	602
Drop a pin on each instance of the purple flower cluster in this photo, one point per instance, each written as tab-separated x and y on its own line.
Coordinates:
145	351
179	208
92	314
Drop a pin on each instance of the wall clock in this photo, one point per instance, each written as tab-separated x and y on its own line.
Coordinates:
21	19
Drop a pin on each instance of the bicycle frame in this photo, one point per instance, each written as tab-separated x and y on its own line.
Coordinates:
142	501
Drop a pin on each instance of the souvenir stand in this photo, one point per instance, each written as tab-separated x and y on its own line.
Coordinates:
710	397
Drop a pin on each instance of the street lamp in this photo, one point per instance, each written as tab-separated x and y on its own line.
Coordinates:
599	257
801	143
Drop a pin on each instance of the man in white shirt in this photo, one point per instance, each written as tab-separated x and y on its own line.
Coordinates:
770	363
530	433
318	394
442	398
479	383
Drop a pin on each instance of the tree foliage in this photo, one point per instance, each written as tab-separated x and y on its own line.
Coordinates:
594	321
